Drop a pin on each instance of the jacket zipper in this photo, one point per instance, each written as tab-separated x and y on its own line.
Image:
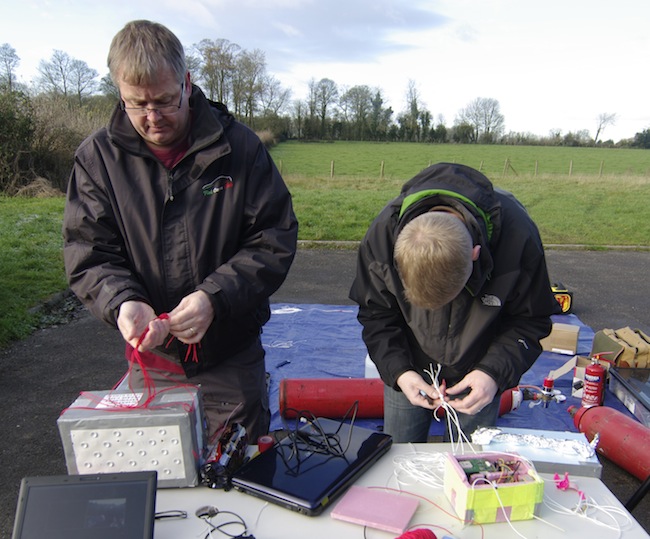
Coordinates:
170	179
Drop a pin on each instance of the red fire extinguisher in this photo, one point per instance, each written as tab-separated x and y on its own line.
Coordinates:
593	392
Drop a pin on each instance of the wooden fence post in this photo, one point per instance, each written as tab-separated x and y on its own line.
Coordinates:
332	168
505	166
600	172
536	165
570	167
381	171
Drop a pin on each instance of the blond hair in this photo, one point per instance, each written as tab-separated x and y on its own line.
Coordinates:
142	50
433	253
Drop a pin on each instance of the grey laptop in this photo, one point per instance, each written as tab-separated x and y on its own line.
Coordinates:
99	506
307	470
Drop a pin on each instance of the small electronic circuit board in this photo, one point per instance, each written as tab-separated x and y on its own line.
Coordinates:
492	487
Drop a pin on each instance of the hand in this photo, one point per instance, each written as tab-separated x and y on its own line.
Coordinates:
418	392
136	317
191	318
482	388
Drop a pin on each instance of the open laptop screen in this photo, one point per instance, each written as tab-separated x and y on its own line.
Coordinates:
101	506
303	475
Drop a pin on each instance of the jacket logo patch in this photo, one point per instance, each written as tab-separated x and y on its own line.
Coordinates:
491	301
218	184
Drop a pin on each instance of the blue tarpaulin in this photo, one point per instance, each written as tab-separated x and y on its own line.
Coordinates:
324	341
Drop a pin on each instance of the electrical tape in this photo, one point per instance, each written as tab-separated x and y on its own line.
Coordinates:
264	443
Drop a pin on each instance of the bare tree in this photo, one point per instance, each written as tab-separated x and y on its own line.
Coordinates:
604	119
67	76
325	96
247	84
357	102
82	79
273	98
298	117
55	75
8	63
485	117
217	66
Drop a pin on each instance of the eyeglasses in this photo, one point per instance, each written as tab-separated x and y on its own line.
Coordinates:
165	110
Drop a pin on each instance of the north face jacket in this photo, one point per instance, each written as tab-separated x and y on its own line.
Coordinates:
494	324
220	221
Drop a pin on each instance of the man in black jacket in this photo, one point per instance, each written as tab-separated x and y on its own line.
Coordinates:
178	224
454	296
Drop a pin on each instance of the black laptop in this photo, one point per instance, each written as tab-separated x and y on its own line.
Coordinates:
312	466
97	506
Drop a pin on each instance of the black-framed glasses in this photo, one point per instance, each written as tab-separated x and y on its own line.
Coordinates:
165	110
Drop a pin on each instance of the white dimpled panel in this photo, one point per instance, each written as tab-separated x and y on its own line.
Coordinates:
130	449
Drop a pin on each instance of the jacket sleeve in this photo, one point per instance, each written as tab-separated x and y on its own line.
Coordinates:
525	319
94	253
267	243
383	327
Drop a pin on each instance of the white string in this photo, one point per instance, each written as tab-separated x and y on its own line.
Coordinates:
586	506
423	467
451	415
496	493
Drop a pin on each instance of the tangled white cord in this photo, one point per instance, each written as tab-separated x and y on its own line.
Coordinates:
450	414
597	514
425	468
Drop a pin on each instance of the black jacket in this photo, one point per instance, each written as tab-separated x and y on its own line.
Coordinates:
220	221
495	323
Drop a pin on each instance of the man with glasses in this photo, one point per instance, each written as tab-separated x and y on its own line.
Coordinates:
178	227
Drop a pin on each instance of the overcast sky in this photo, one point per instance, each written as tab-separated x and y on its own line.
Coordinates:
556	64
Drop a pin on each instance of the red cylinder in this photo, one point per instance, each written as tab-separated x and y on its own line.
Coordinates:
593	391
621	439
332	397
510	400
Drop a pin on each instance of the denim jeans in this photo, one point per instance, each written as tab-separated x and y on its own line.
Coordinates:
407	423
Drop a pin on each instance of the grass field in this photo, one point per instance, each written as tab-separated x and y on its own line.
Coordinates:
403	160
584	208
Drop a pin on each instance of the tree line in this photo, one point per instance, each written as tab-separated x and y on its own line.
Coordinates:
45	119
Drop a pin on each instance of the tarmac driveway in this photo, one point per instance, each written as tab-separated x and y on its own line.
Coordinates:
43	374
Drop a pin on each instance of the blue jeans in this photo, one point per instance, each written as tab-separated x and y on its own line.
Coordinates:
407	423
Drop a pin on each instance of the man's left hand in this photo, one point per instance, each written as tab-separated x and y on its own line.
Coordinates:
482	390
189	321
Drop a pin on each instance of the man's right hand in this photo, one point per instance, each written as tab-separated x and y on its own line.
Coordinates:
136	317
418	392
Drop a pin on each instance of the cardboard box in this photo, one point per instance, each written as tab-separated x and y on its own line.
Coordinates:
479	502
112	431
563	339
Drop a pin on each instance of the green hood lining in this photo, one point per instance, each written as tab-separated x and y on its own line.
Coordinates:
416	197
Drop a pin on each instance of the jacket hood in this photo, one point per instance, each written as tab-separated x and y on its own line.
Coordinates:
467	191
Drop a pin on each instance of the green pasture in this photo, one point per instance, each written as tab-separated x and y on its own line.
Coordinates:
594	197
403	160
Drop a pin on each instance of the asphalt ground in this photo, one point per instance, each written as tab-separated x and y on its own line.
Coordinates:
41	375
